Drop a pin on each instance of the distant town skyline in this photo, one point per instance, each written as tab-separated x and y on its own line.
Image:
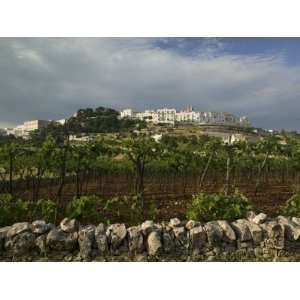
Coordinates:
51	78
188	116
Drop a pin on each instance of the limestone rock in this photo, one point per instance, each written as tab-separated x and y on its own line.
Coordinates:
214	232
259	219
191	224
21	243
59	240
116	234
242	230
251	215
86	238
256	232
101	238
168	241
158	227
3	234
273	229
69	225
40	227
154	244
175	222
292	230
296	220
3	231
147	227
140	257
41	243
135	239
228	231
18	228
181	238
167	228
275	234
197	237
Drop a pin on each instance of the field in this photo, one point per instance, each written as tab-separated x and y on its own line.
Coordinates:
130	170
170	195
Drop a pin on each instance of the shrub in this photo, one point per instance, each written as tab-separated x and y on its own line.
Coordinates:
12	211
153	211
17	210
94	209
128	209
209	207
87	209
43	209
292	206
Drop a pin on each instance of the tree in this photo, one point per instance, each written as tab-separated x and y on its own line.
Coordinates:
101	120
267	147
55	130
42	160
231	149
182	155
210	147
140	151
9	155
81	161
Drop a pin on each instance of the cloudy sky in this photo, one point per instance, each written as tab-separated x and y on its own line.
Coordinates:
50	78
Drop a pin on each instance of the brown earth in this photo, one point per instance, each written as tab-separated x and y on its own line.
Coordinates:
169	195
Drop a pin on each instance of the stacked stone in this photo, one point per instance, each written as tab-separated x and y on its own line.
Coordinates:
257	236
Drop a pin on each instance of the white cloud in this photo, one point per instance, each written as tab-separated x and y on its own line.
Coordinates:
56	76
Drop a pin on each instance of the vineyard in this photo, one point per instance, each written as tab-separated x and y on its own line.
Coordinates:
169	197
165	174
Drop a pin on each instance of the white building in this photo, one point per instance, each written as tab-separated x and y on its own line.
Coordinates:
147	115
24	129
61	121
34	125
171	116
127	113
19	130
166	115
9	131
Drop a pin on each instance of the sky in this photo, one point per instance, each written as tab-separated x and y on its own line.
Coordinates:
51	78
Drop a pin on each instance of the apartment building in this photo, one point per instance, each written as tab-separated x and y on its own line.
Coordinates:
166	115
34	125
19	131
127	113
24	129
188	116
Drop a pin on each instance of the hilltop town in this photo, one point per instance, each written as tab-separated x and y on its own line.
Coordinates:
187	116
224	125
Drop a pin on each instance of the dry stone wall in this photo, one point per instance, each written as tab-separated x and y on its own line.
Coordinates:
257	238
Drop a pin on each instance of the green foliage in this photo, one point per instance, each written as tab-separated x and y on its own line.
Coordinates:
292	206
129	209
208	207
100	120
18	210
87	209
12	211
50	161
54	130
95	209
153	211
43	209
140	151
